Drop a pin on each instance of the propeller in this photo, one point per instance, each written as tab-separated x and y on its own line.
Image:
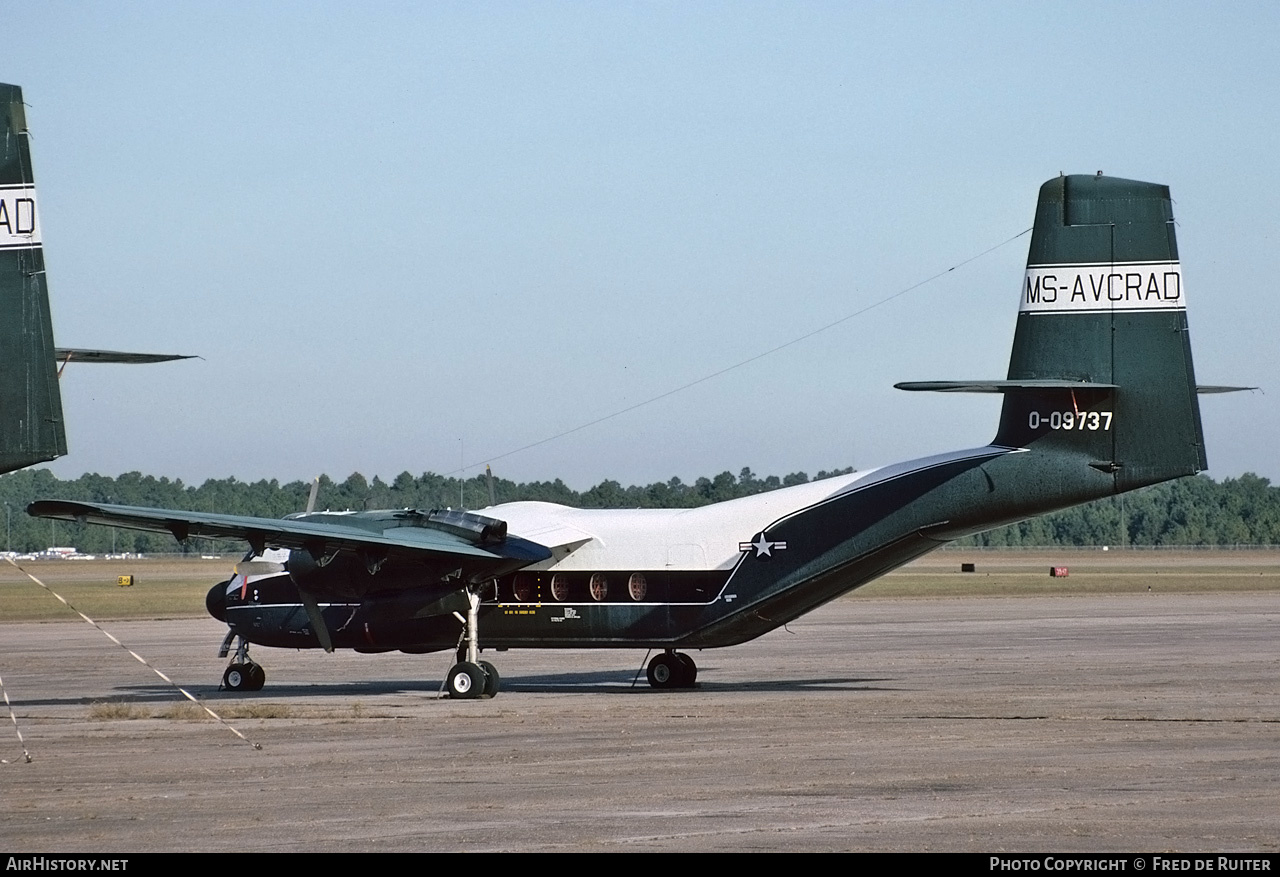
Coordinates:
312	605
309	601
260	568
254	565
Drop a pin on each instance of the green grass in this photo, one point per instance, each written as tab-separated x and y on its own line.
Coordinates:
164	588
907	584
1026	573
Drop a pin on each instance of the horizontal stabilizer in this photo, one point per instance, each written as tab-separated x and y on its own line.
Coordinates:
84	354
1209	389
1031	386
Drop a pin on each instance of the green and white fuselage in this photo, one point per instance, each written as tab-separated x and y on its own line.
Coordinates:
1100	398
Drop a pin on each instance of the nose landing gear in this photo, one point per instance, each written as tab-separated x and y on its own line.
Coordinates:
242	674
244	677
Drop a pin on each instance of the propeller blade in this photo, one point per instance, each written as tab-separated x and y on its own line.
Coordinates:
259	568
312	605
311	500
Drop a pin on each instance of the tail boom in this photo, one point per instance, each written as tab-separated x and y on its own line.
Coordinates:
1100	398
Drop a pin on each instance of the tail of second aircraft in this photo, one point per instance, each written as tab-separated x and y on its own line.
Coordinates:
31	427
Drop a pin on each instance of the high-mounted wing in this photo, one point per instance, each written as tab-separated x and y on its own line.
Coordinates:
434	554
480	545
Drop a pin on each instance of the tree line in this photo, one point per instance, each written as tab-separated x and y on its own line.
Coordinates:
1190	511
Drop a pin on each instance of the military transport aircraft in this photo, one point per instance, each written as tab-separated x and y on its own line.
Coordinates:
1100	398
31	426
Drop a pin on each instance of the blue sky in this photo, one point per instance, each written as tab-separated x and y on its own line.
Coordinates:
405	235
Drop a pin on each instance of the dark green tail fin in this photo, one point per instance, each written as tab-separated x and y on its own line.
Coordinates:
1103	323
31	428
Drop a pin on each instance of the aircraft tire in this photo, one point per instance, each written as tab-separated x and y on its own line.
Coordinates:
465	681
257	677
236	678
665	671
492	681
689	674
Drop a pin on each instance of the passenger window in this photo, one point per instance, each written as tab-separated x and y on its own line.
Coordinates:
599	587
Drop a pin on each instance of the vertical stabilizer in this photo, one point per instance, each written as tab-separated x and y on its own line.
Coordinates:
31	427
1103	304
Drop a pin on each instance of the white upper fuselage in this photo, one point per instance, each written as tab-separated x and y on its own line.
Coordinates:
705	538
702	538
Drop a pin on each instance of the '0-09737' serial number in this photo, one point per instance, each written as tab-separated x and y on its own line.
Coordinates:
1071	420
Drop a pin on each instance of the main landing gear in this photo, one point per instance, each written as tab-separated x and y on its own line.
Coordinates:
242	674
470	677
672	669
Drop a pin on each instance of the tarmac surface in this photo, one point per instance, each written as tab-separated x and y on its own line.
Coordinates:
1146	722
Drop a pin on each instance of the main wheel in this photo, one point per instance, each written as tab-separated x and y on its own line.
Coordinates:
665	671
236	678
465	681
257	677
492	681
690	670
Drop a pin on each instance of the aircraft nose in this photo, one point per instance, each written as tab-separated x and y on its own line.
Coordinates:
216	600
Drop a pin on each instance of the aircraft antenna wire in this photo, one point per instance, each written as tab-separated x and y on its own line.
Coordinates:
737	365
141	660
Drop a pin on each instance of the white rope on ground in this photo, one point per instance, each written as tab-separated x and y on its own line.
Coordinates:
141	660
26	756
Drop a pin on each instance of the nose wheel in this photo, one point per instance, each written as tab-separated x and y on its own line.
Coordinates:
243	673
244	677
672	670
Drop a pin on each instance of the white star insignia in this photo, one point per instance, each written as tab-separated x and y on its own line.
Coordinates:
762	546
